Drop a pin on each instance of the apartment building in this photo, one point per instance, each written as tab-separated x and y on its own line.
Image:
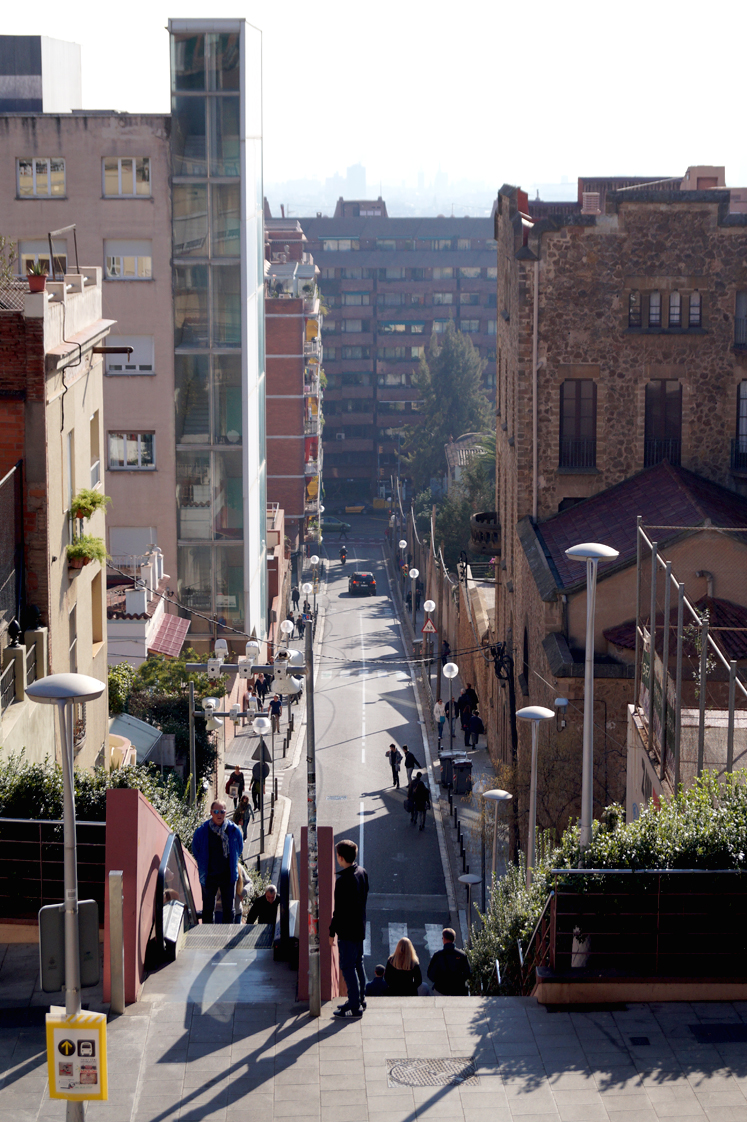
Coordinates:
622	391
52	609
389	285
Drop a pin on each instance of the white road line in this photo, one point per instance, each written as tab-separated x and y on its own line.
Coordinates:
397	931
367	940
360	839
433	940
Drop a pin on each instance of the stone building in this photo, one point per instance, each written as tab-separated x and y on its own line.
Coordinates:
621	347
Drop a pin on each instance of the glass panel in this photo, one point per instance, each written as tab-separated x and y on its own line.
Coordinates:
227	399
142	176
132	449
116	450
226	218
195	583
229	585
42	177
190	306
190	219
111	175
227	306
224	136
193	495
191	402
188	62
25	177
223	61
188	139
147	450
228	495
144	267
129	266
128	179
58	177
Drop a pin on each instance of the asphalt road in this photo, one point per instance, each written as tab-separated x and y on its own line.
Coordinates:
364	699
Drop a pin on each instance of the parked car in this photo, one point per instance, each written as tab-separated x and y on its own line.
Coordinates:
362	582
330	523
353	507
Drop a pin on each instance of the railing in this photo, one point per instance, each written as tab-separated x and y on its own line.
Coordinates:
95	473
30	666
311	426
540	948
7	686
656	451
578	454
173	899
32	862
289	895
740	331
739	454
485	533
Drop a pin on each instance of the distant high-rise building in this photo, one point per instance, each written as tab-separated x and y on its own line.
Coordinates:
355	184
39	75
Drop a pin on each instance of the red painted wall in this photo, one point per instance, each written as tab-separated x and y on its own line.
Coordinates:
332	982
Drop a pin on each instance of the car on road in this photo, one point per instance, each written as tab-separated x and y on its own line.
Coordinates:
352	507
330	523
362	582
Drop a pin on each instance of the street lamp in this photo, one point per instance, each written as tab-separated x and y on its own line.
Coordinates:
450	671
428	607
414	574
314	563
592	554
470	880
535	714
402	548
261	726
496	796
63	690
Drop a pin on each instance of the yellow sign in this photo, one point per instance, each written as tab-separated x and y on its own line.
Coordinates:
76	1055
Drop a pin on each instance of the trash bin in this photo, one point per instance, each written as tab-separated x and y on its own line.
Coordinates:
462	777
447	771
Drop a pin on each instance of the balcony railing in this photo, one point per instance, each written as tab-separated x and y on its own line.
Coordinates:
656	451
740	331
7	686
485	533
311	426
739	454
578	454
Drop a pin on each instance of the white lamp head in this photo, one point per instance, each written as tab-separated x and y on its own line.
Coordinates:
561	702
210	704
296	658
321	508
592	551
307	588
534	713
286	627
315	560
261	725
414	574
403	544
451	670
430	605
497	796
65	687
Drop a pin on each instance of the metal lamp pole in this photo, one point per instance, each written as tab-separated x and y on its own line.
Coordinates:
428	607
592	554
497	797
314	563
450	671
402	548
63	690
261	726
414	574
535	714
315	987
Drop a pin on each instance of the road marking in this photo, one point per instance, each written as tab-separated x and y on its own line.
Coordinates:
433	939
397	931
360	839
367	940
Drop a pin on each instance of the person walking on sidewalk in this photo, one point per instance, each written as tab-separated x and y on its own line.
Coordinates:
449	968
476	728
216	847
439	716
242	814
295	596
395	762
402	974
300	625
445	653
261	768
349	926
420	799
410	763
471	696
235	785
276	708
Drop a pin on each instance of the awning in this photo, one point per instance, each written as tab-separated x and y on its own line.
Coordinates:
170	636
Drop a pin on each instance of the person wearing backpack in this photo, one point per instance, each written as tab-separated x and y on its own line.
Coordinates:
395	762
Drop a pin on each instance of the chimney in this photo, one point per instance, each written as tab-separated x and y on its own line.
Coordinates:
136	601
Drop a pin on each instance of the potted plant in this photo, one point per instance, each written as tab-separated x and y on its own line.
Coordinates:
37	275
84	549
86	502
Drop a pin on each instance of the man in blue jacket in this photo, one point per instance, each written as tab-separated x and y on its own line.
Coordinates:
216	847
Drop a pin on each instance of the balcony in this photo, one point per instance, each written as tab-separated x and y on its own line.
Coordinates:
656	451
740	331
739	454
578	455
311	426
311	467
311	385
312	347
485	533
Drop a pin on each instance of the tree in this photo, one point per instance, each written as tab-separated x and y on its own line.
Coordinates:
452	403
8	258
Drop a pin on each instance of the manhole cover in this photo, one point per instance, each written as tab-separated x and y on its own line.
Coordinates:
229	936
455	1071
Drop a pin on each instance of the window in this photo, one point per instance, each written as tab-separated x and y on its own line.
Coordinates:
492	327
675	309
37	252
394	273
663	432
354	299
417	352
443	297
139	362
392	328
95	449
441	273
72	639
128	260
355	352
126	176
578	423
739	456
392	353
464	243
41	178
351	274
469	272
132	451
352	325
386	243
654	309
492	272
470	326
440	326
330	353
393	378
634	309
417	298
340	245
328	274
97	612
470	298
740	319
417	328
694	313
390	299
441	243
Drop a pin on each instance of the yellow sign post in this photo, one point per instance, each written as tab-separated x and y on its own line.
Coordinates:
76	1055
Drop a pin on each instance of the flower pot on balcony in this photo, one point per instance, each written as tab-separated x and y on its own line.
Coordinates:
77	562
37	282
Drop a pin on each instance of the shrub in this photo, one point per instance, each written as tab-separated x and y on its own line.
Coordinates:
121	678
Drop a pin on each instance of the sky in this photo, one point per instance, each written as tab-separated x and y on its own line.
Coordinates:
487	91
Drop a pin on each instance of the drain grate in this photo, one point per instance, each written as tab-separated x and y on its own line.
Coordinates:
639	1041
455	1071
229	936
728	1033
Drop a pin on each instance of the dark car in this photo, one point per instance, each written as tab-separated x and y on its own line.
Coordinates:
330	523
362	582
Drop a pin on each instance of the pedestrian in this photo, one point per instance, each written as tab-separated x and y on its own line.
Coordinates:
300	625
251	703
418	595
451	710
292	621
410	763
256	793
439	716
276	708
395	762
420	799
349	925
235	785
242	814
445	653
377	987
238	896
476	728
449	968
295	596
260	688
264	909
216	847
402	974
471	696
408	599
306	608
343	531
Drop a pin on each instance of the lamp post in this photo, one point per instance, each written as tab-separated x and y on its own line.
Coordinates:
307	588
402	548
450	671
497	797
592	554
535	714
428	607
262	726
414	574
63	690
469	880
314	563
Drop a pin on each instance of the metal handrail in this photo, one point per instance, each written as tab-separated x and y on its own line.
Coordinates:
173	843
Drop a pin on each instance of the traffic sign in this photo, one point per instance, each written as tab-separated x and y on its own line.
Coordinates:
428	627
76	1055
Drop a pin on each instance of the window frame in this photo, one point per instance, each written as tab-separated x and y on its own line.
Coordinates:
128	466
572	392
122	194
663	422
34	160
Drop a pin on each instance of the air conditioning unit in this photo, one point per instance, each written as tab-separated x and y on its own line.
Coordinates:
339	436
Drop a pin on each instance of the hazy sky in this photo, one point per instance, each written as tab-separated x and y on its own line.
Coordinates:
487	90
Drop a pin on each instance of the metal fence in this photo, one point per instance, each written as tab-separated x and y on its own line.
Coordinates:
11	545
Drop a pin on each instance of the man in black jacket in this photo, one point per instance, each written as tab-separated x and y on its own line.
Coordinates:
265	908
449	968
349	925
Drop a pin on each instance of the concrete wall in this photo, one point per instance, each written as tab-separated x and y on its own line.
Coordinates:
332	981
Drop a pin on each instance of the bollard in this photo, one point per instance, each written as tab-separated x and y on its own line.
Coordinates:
272	819
259	863
276	787
285	746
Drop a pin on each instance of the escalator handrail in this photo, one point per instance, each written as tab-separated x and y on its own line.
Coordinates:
173	842
288	887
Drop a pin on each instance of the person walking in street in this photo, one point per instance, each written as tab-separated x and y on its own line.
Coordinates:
264	909
445	653
349	926
395	762
471	696
235	785
251	704
216	847
256	793
439	716
295	596
276	708
449	969
242	814
418	594
451	709
420	799
306	606
402	974
260	688
410	763
300	625
476	728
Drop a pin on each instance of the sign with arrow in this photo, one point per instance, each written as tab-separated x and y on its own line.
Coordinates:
76	1055
428	627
